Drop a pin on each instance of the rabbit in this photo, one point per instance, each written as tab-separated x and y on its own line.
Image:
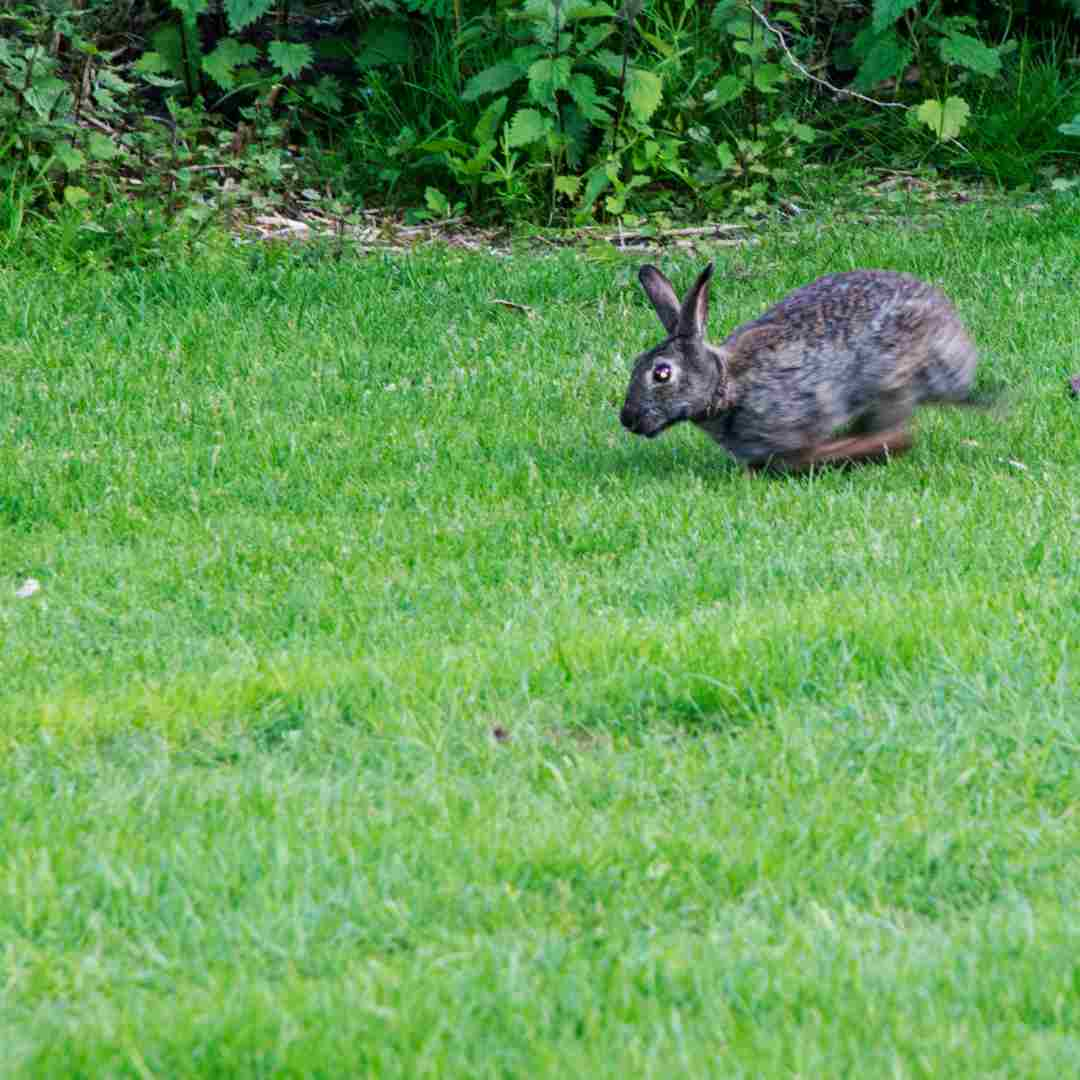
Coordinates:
857	350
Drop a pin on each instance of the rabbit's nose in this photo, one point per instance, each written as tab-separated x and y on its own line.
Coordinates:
628	419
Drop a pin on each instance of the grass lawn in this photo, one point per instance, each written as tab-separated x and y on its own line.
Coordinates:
385	709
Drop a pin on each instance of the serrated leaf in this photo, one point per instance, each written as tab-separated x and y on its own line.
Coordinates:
945	119
885	58
491	80
611	62
969	52
582	91
222	63
290	57
71	159
528	126
326	93
547	77
596	183
568	185
101	147
594	37
643	91
241	13
75	196
489	121
888	12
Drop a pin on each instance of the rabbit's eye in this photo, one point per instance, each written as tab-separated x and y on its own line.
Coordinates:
661	373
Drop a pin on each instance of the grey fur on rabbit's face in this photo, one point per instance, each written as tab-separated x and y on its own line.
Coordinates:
859	349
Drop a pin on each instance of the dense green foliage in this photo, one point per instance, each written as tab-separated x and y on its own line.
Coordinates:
551	110
382	708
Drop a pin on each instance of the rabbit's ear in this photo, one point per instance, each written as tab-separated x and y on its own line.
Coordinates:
661	295
694	313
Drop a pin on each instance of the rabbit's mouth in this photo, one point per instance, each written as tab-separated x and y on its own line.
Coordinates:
647	424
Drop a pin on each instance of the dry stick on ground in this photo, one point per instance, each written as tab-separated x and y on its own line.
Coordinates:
813	78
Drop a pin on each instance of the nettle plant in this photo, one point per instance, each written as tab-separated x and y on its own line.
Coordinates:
567	93
751	133
600	109
234	65
44	143
915	42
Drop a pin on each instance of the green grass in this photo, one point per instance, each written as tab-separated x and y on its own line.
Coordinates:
787	781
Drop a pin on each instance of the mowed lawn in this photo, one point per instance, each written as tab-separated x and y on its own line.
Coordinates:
384	709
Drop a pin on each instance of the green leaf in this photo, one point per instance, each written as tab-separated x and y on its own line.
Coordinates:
594	37
290	57
222	63
643	91
885	57
164	84
1072	127
598	181
568	185
887	13
151	62
100	147
489	121
945	119
969	52
168	43
611	62
588	11
71	159
664	48
548	76
583	92
726	89
491	80
724	156
326	94
45	96
75	196
437	202
243	13
528	126
768	76
386	42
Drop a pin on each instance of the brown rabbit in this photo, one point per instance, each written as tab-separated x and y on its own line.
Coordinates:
857	350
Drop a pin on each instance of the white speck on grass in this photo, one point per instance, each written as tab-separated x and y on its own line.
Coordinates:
28	588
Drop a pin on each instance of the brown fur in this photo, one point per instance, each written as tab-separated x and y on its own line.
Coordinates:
856	351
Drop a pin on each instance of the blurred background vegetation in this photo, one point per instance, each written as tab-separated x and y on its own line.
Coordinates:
142	114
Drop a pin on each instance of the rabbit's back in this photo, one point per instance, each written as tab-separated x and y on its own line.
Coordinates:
838	349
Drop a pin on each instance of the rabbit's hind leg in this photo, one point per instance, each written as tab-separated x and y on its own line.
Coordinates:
880	446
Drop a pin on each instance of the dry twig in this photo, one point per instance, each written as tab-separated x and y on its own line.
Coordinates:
779	34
